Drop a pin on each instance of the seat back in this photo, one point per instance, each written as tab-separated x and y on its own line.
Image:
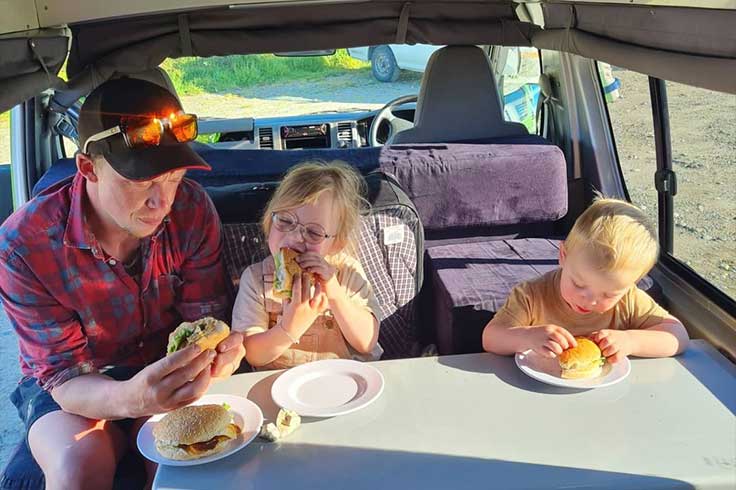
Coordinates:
464	191
443	116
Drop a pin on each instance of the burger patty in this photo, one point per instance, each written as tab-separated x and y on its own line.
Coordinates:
200	447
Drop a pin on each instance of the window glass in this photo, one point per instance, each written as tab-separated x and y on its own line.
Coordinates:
4	138
518	82
703	138
703	135
266	85
630	111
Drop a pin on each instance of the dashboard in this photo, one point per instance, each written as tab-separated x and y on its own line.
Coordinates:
321	130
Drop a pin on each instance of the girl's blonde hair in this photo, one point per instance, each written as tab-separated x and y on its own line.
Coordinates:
304	183
616	235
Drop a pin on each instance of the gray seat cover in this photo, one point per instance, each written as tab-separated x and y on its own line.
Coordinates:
458	100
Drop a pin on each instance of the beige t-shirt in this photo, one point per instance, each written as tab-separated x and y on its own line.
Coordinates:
539	302
257	309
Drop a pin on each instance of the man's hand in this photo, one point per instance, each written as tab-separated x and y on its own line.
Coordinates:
229	354
614	344
172	382
549	340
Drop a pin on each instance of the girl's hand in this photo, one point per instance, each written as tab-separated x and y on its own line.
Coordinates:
549	340
301	310
229	354
324	274
614	344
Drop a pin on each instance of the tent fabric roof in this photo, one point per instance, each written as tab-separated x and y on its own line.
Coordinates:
688	45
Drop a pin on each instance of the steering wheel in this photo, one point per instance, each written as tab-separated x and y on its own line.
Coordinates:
396	124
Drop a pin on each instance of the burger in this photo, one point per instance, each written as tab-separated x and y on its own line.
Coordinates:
582	361
206	333
285	267
194	432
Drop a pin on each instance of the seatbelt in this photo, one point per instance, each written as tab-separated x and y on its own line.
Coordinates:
545	106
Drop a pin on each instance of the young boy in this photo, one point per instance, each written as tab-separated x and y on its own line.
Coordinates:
593	293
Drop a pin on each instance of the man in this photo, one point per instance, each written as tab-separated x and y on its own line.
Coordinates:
97	271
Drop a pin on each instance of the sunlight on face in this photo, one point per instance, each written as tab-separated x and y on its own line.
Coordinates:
324	213
138	207
587	289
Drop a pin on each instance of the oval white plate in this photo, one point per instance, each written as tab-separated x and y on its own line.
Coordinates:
246	415
327	388
548	371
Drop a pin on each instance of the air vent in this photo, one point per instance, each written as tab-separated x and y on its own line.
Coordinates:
265	138
345	134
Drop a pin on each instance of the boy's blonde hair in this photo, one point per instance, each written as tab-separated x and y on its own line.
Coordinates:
616	235
304	183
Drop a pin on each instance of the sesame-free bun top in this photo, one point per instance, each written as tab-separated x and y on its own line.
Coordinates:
192	424
581	356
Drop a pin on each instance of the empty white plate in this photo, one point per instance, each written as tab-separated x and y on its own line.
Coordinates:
246	415
327	388
548	371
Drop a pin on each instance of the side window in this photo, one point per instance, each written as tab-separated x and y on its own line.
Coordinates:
70	146
703	135
4	138
703	139
630	112
6	193
518	82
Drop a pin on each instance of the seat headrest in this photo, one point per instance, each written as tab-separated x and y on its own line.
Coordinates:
458	100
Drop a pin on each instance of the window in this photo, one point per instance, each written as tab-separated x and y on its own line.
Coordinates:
4	138
70	146
6	194
703	140
274	86
630	111
703	136
518	82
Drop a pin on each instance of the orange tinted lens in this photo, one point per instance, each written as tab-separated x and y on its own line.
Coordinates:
184	127
145	135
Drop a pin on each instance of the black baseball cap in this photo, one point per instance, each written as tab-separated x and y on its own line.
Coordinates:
132	97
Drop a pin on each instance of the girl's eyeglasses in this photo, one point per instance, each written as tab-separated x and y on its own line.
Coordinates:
287	222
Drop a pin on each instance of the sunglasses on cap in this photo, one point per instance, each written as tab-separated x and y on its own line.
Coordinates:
143	132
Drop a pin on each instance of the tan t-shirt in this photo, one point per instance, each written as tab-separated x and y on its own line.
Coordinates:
257	309
539	302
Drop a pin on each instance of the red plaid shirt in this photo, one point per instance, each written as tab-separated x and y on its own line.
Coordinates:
77	311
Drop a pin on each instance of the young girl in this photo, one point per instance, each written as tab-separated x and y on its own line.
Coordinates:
315	212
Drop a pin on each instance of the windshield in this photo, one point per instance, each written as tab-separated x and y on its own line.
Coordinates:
272	86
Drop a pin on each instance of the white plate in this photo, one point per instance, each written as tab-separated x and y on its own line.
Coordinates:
548	371
246	415
327	388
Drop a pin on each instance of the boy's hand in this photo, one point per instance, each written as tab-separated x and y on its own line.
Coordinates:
301	310
549	340
324	274
614	344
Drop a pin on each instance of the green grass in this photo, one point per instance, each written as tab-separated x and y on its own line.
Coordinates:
222	74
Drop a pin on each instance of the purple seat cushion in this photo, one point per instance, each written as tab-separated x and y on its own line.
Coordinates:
463	185
470	283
